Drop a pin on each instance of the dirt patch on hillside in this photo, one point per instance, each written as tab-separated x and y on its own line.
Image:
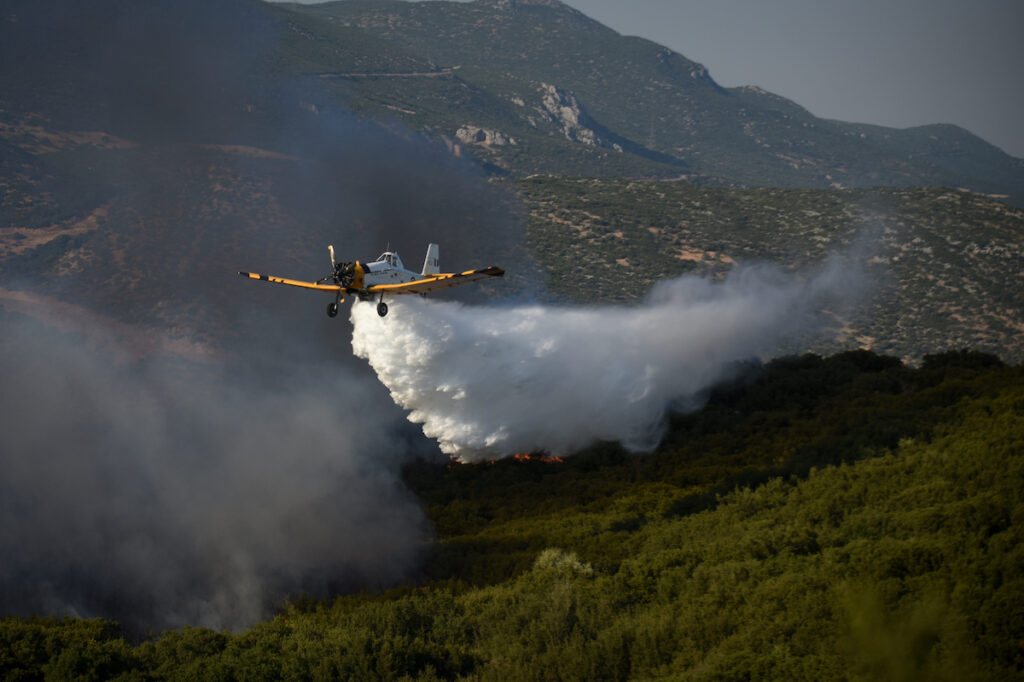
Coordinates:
253	152
36	139
17	240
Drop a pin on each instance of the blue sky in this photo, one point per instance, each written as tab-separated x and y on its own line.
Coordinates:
897	63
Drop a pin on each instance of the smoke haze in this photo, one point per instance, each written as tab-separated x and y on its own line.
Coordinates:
150	486
169	494
492	381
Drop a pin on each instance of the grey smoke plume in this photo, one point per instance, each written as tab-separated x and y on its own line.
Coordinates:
491	381
167	493
163	493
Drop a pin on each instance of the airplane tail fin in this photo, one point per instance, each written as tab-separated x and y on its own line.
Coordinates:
432	264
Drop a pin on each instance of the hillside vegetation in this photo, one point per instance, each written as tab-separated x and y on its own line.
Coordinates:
942	266
839	518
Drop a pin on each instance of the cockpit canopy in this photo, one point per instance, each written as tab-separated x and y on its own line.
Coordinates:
391	258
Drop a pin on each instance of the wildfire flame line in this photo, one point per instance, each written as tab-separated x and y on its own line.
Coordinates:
454	461
537	457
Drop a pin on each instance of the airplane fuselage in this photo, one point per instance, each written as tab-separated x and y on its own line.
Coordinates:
387	269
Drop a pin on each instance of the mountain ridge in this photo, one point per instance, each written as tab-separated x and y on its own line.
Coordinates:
489	63
661	100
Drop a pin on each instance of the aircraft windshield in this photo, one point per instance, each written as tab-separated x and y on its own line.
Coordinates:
391	258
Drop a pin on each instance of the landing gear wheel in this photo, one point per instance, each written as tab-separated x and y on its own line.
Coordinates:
332	310
382	308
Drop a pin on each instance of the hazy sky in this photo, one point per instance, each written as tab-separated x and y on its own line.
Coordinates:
892	62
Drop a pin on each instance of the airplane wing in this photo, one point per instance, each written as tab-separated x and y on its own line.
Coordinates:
437	282
292	282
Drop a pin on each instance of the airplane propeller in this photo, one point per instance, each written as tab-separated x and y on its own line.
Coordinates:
332	308
342	274
337	272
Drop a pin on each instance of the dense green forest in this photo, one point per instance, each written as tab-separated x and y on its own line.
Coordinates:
846	517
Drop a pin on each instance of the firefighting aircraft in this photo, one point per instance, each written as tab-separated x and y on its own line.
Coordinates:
386	275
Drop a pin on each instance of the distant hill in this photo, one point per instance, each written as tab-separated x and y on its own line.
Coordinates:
132	181
523	86
514	72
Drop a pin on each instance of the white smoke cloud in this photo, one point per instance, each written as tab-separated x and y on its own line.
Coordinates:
492	381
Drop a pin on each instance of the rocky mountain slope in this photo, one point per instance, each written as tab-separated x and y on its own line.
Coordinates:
538	67
523	86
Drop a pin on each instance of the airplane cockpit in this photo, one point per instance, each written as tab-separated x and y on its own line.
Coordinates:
391	258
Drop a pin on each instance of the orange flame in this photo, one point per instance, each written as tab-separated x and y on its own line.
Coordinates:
537	457
454	461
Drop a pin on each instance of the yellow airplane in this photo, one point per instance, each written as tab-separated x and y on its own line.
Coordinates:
386	275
